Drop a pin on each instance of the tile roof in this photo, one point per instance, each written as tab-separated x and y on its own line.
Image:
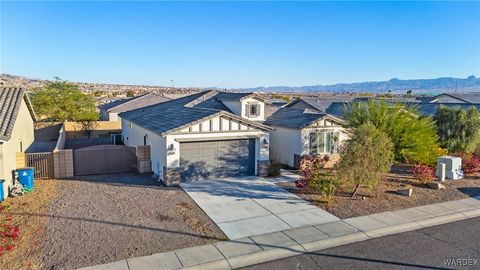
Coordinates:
167	117
10	102
429	109
134	103
320	104
295	118
473	98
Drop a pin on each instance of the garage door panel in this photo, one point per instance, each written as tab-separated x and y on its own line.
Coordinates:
200	160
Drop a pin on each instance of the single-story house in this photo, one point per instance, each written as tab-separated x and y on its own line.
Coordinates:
462	98
300	132
202	136
16	130
110	111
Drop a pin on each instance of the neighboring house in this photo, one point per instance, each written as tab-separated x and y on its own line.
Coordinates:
300	132
16	130
467	98
206	135
318	104
110	111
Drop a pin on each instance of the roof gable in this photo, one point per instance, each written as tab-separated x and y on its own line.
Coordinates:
10	102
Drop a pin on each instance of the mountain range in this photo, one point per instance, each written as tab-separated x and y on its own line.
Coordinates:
439	85
394	86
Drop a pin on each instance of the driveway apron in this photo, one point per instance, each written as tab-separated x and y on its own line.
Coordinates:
250	206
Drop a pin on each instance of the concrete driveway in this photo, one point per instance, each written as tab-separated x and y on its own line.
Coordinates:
250	206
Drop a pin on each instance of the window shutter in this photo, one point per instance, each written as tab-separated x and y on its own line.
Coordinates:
328	142
313	144
247	110
321	143
258	109
336	142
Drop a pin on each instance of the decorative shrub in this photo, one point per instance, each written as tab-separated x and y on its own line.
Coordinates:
423	173
314	178
470	162
8	231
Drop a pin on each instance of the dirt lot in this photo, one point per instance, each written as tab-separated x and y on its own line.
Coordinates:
384	197
105	218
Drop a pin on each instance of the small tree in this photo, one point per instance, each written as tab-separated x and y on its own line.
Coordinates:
62	101
459	130
130	93
365	158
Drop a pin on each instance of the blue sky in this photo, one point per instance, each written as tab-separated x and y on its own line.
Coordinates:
235	44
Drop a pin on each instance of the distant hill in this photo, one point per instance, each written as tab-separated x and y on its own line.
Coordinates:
446	84
395	86
29	83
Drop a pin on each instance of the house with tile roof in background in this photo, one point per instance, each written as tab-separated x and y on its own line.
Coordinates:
109	111
16	130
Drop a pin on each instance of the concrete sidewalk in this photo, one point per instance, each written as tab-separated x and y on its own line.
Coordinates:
272	246
248	206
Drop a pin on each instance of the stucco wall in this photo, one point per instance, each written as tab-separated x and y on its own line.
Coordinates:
133	136
284	144
22	131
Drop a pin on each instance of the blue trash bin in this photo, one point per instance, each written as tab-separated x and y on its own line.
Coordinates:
2	186
25	176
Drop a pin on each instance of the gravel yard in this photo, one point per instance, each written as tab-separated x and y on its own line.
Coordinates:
104	218
384	198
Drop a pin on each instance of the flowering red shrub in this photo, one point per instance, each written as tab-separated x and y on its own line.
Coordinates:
8	231
423	173
309	165
470	162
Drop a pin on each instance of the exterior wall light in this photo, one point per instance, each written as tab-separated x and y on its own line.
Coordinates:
171	149
265	143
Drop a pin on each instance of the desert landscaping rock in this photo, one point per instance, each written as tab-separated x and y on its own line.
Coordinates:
436	185
405	192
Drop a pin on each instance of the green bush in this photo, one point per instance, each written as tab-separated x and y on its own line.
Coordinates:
414	137
314	178
459	130
365	158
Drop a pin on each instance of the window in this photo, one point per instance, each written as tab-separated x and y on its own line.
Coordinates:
324	142
252	110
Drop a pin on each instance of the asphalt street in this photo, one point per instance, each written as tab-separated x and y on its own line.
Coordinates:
450	246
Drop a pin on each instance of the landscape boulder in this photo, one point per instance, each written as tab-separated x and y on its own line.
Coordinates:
436	185
405	192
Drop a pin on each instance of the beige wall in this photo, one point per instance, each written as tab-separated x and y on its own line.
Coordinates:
22	131
73	130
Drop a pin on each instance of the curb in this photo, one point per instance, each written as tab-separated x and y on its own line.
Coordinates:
279	252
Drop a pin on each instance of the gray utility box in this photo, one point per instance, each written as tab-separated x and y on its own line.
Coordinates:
453	167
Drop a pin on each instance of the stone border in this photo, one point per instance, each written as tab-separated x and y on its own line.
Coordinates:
278	245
